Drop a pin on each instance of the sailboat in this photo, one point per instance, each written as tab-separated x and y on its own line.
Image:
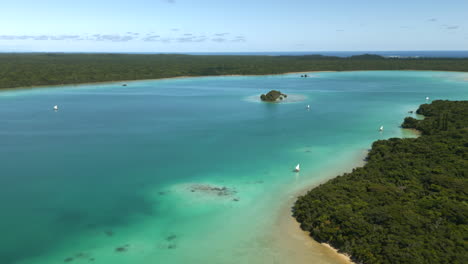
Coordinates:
55	107
381	128
308	106
297	169
427	97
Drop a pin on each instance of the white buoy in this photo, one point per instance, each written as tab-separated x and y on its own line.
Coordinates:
297	169
381	128
55	107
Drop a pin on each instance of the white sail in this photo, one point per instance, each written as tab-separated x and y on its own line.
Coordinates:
297	168
308	106
381	128
55	107
427	98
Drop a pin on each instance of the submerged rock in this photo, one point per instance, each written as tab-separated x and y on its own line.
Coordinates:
172	246
68	260
171	237
215	190
122	249
81	255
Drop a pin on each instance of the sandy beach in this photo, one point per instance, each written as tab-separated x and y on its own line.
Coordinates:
291	238
121	82
299	241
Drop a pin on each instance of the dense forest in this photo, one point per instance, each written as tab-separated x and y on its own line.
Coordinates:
33	69
408	204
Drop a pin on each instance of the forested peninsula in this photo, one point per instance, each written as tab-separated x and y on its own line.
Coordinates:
408	204
36	69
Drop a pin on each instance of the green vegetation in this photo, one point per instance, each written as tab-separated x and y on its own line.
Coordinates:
273	96
439	117
408	204
32	69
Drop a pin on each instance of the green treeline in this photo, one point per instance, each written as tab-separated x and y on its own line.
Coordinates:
408	204
439	117
32	69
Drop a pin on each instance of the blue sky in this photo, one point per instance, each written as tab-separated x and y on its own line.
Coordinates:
237	26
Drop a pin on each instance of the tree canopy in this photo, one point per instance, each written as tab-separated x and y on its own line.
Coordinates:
408	204
33	69
273	96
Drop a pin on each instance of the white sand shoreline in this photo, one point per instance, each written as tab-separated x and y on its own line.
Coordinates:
290	227
345	256
303	243
157	79
184	77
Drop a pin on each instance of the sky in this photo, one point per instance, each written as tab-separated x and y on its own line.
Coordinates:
232	26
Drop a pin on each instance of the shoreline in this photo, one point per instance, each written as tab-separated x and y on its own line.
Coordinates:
413	131
291	227
299	240
186	76
345	256
157	79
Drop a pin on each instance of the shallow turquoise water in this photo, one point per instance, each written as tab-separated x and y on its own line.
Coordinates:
115	166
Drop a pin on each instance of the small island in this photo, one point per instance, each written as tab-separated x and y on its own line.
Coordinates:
273	96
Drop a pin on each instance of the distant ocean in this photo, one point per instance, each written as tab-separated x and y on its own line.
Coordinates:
402	54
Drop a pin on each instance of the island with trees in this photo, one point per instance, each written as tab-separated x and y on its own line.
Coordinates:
273	96
408	204
36	69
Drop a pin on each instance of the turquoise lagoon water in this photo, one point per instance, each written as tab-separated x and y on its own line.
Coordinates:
123	174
